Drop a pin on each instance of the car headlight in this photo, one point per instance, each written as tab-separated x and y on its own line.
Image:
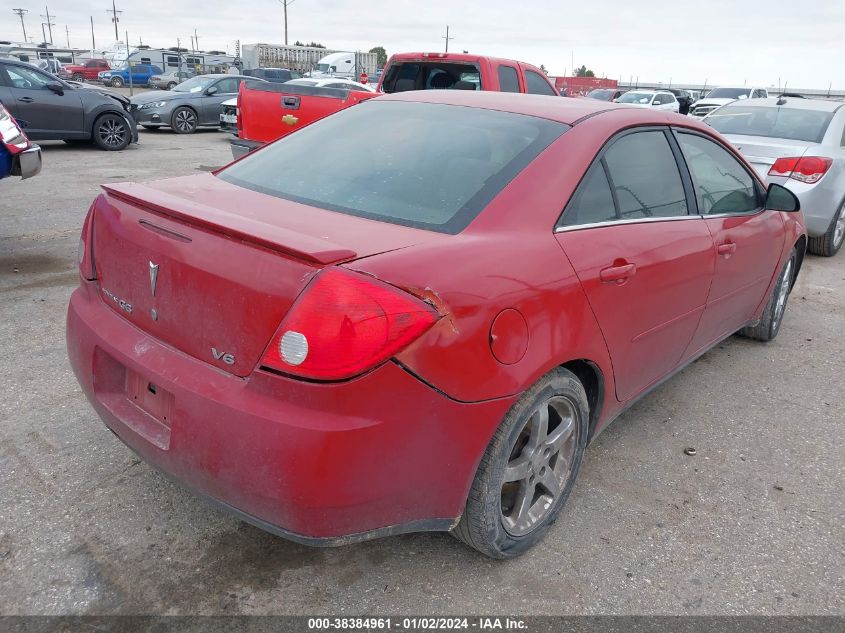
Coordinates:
153	104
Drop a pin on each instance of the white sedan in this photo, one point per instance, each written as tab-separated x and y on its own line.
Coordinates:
660	99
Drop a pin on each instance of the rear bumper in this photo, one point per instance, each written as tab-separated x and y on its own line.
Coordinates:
28	163
819	201
316	463
241	147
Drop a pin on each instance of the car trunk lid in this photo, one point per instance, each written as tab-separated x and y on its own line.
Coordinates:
762	151
211	269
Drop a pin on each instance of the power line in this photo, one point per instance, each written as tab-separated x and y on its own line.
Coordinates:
20	13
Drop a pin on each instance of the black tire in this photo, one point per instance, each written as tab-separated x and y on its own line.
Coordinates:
492	522
116	82
184	120
171	85
769	325
78	77
111	132
828	245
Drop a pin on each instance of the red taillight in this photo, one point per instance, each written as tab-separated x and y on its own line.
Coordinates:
85	254
807	169
343	324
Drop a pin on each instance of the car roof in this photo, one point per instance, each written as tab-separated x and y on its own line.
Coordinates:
561	109
821	105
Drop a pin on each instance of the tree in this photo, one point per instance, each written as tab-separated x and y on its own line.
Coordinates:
583	72
310	44
381	55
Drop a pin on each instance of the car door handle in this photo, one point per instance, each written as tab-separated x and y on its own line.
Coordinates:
618	274
26	99
727	249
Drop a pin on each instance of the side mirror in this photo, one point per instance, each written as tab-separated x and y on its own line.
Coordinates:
212	90
56	87
779	198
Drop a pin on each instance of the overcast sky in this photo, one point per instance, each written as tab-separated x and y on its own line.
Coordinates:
801	44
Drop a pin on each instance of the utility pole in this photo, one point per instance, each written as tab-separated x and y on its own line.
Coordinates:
447	38
93	43
285	4
115	19
49	23
128	64
43	34
67	32
20	13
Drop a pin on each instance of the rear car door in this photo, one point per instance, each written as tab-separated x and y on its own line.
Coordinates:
645	262
748	241
46	114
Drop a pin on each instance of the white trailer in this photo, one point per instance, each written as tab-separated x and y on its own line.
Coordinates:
303	59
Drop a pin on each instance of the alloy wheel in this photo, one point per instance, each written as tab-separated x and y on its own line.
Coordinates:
112	132
783	294
839	228
539	466
186	120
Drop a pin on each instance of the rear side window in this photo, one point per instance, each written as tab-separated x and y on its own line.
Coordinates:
426	165
722	185
642	177
508	79
536	85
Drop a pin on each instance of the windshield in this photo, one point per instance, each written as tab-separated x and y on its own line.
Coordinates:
195	84
786	123
323	68
604	95
426	165
635	97
729	93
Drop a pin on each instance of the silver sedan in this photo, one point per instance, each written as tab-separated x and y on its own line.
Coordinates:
800	144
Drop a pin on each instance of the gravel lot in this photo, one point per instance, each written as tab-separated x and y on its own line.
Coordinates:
752	524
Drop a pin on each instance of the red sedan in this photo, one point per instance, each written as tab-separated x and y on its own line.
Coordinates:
416	314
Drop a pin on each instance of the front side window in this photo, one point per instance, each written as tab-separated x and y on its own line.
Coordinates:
722	185
427	165
536	85
508	79
637	178
27	78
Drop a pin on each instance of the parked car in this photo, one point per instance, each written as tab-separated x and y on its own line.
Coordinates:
605	94
798	143
267	112
725	94
273	75
333	82
18	156
658	99
171	79
229	115
52	109
87	71
193	103
400	330
684	97
141	74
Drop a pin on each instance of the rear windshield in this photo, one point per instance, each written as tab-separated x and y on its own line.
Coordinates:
430	75
604	95
424	165
787	123
729	93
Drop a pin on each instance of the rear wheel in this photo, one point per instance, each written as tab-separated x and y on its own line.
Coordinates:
116	82
184	121
171	85
78	77
111	132
529	468
828	245
769	324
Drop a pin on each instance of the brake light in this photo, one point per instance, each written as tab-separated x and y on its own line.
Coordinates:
344	324
85	254
807	169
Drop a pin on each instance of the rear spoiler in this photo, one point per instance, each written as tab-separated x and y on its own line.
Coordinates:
272	236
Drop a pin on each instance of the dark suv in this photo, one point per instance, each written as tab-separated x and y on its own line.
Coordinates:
52	109
275	75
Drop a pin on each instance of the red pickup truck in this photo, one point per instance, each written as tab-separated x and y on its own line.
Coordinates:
268	111
87	71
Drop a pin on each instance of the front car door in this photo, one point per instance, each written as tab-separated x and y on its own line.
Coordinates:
645	262
210	105
46	114
748	241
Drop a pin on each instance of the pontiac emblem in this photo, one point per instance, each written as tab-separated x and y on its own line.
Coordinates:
289	119
153	277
